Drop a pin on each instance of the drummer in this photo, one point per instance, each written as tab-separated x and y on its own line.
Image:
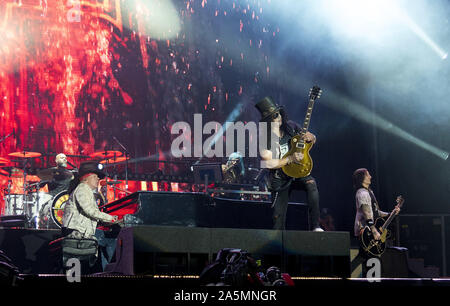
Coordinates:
58	180
61	176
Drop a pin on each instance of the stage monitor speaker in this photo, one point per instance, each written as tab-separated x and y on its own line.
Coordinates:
171	249
394	262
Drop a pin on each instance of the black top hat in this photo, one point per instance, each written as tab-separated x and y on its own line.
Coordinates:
90	167
267	107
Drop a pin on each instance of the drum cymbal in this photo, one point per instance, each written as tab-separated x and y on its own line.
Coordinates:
25	154
4	160
106	154
114	160
53	174
68	155
46	174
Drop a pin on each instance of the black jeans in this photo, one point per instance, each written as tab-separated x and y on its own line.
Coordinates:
281	191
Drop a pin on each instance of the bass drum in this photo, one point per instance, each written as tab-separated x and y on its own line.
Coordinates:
59	202
57	211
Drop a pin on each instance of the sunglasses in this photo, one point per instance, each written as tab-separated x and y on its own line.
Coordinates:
275	116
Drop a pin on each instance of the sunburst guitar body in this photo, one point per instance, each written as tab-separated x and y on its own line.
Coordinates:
304	167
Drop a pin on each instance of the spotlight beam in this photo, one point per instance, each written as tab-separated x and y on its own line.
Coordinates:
419	32
233	115
364	114
292	82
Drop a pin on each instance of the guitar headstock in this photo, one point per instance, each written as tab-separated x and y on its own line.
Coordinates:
400	200
315	92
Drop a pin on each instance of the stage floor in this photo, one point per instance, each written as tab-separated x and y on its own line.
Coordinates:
192	281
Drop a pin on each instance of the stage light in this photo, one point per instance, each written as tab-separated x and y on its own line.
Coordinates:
419	32
371	21
174	187
365	19
154	186
157	18
143	185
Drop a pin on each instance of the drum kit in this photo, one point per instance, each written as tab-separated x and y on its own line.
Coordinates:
24	195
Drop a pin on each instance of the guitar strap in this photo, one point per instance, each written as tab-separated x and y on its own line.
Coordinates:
374	203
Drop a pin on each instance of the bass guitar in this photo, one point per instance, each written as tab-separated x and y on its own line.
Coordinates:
304	167
377	247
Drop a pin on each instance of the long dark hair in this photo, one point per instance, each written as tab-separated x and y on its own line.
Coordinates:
358	178
287	126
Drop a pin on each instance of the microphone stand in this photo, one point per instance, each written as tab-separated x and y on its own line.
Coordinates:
4	138
73	166
126	161
7	207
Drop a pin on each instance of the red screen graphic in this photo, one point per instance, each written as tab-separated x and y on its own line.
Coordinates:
76	75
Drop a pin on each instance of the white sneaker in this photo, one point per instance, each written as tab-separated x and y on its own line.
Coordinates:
318	229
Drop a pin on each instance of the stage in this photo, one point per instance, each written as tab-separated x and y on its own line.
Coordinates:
177	250
164	263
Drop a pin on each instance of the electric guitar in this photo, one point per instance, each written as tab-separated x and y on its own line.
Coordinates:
304	167
377	247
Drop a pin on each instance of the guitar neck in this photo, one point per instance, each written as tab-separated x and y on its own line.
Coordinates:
308	116
388	221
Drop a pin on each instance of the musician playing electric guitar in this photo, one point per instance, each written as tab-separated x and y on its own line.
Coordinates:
280	184
372	236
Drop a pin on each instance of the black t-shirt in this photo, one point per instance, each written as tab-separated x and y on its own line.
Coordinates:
277	177
61	180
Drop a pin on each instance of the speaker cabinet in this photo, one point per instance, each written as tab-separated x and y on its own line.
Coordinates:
163	249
